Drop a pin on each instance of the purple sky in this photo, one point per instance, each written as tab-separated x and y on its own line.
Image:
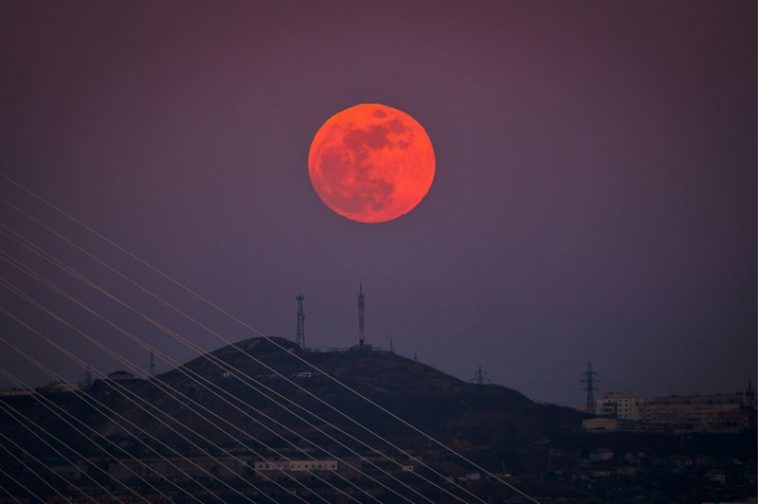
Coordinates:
595	196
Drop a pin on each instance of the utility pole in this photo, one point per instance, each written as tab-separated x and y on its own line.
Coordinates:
361	315
392	348
480	378
300	336
590	379
87	378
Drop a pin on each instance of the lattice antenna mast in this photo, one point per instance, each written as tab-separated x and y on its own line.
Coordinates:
590	380
300	336
361	315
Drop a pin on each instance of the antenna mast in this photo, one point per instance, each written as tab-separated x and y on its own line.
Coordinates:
300	336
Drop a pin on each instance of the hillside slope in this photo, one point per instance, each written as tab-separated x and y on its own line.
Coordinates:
489	423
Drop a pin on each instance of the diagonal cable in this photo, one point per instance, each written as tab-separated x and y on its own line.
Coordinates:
21	485
232	317
7	408
28	244
60	412
115	386
174	392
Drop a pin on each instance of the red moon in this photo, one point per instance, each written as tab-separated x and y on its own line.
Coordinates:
371	163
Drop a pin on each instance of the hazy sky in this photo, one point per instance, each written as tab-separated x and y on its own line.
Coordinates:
595	196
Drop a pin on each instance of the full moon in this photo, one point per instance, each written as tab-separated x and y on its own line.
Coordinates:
371	163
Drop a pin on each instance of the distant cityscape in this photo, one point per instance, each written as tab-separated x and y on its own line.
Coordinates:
688	448
717	413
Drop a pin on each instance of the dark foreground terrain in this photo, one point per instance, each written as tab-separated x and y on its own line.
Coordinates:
196	433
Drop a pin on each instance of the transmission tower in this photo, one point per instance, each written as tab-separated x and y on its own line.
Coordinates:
361	315
590	380
480	378
300	336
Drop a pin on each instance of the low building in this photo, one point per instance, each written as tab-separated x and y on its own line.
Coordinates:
296	466
618	405
693	413
280	470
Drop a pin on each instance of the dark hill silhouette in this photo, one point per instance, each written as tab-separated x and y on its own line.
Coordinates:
491	423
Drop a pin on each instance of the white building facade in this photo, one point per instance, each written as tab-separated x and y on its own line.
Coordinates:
296	465
619	405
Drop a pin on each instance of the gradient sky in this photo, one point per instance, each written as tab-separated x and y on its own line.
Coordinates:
595	196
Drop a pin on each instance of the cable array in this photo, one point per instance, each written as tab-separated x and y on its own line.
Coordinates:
225	367
192	376
446	485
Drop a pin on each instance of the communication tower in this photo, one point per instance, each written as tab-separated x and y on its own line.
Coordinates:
300	336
